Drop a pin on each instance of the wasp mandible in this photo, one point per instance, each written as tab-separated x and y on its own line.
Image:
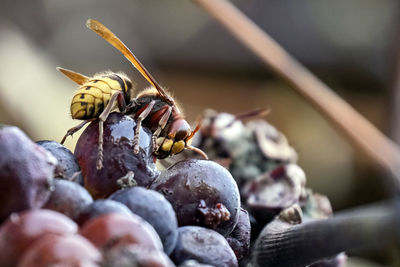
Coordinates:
97	96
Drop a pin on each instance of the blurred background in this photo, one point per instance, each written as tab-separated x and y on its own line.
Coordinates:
352	45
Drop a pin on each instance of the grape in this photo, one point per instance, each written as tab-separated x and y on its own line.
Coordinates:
201	193
136	255
119	158
67	167
239	239
276	190
316	206
249	150
61	250
151	206
22	229
26	172
101	207
204	245
116	229
68	198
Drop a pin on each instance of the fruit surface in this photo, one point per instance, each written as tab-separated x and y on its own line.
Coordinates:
61	250
155	209
239	239
68	198
67	167
202	193
119	157
101	207
136	255
22	229
115	229
26	172
203	245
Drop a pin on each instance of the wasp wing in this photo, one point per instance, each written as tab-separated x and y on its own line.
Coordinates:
111	38
74	76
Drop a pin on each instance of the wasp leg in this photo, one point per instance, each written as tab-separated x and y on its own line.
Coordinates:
121	104
102	118
140	118
198	151
73	130
161	125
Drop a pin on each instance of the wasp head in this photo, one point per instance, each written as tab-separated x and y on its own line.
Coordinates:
178	138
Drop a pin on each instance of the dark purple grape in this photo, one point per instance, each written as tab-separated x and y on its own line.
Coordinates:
239	239
68	198
67	167
22	229
26	172
119	158
202	193
115	229
61	250
101	207
152	206
136	255
204	245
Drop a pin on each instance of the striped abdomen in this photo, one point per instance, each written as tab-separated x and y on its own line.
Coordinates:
91	98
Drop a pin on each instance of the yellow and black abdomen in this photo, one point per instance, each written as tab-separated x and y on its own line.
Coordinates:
91	98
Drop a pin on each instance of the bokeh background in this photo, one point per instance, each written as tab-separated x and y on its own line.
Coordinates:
352	45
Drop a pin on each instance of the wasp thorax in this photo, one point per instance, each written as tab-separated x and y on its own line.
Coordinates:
127	85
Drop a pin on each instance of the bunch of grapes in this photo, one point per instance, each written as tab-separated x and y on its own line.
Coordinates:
59	209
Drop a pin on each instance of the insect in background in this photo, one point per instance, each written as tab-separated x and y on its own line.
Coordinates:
97	96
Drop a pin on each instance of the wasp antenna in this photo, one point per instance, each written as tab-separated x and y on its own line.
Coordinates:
195	149
198	125
74	76
198	151
112	39
254	113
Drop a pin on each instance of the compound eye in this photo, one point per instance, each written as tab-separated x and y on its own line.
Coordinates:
182	134
180	129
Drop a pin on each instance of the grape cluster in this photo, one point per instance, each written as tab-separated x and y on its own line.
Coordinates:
58	209
271	183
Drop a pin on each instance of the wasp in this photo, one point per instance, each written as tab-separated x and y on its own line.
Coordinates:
97	96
